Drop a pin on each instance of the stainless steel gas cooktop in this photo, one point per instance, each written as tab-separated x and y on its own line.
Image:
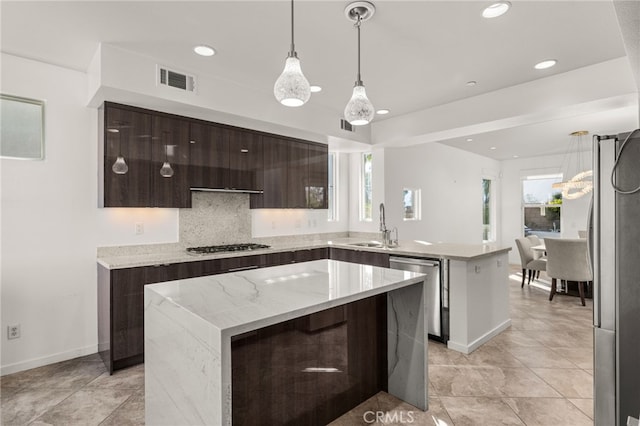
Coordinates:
226	247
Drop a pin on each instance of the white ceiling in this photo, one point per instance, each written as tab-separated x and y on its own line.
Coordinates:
415	54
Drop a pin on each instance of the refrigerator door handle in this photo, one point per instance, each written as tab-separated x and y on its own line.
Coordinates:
591	260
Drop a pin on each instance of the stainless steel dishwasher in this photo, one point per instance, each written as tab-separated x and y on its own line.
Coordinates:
437	288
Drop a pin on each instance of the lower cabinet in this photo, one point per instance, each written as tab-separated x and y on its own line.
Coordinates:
121	295
363	257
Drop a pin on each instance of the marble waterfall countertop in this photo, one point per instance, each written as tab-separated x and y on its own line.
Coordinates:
243	301
158	254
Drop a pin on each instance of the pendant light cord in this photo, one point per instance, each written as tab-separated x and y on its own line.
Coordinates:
357	25
615	166
164	134
293	46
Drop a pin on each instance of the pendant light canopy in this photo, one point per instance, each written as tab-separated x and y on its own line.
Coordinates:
292	88
359	110
119	166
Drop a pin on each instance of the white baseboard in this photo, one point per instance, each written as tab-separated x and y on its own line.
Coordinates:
468	348
46	360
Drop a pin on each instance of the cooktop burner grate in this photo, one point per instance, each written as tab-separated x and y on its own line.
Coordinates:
226	247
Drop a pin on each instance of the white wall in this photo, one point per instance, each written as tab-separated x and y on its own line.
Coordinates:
574	212
451	184
49	223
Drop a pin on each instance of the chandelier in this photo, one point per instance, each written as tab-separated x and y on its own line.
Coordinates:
582	181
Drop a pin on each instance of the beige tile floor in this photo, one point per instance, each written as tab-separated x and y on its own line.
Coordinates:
538	372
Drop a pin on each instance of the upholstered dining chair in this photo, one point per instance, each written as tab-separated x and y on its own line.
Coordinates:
567	259
529	264
582	234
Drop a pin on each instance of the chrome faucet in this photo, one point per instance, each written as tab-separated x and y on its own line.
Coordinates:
383	226
386	233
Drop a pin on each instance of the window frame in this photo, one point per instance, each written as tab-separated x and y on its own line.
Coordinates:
332	188
489	229
364	191
416	204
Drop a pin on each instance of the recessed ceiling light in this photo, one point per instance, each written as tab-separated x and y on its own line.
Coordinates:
471	83
382	111
469	139
515	156
547	63
496	9
204	50
315	89
492	148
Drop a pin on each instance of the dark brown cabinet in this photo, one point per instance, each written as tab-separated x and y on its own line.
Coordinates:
295	175
245	160
311	254
274	173
281	172
209	155
126	133
145	141
363	257
121	297
170	144
317	190
224	158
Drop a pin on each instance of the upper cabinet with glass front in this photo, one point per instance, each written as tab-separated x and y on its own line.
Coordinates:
145	161
153	159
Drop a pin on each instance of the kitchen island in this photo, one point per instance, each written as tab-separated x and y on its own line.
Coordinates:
280	339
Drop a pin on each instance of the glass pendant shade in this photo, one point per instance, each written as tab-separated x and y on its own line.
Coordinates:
359	111
292	88
166	170
120	166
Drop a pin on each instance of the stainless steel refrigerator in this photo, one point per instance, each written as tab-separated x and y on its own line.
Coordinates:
614	242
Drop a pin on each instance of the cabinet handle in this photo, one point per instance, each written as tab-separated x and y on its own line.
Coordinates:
243	268
244	150
192	141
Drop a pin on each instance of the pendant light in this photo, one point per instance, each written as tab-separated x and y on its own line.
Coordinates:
582	181
359	110
119	166
166	170
292	88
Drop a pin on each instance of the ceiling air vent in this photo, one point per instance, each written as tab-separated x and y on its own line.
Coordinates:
167	77
345	125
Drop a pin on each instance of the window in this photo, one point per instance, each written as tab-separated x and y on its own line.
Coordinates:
366	199
411	204
488	212
542	205
332	189
22	130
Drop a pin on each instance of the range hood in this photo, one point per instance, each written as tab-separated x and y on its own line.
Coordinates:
238	191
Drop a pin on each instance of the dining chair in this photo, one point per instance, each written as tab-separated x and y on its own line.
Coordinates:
529	264
567	259
536	241
582	233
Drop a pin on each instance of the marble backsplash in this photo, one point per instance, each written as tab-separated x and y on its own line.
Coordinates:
215	218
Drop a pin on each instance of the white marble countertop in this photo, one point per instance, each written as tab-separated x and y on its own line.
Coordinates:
244	301
175	253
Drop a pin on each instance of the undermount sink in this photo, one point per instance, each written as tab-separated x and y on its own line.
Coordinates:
367	244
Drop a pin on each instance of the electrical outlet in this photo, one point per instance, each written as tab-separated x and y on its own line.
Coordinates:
139	228
13	331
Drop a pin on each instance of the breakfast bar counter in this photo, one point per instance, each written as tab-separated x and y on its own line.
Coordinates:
293	343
